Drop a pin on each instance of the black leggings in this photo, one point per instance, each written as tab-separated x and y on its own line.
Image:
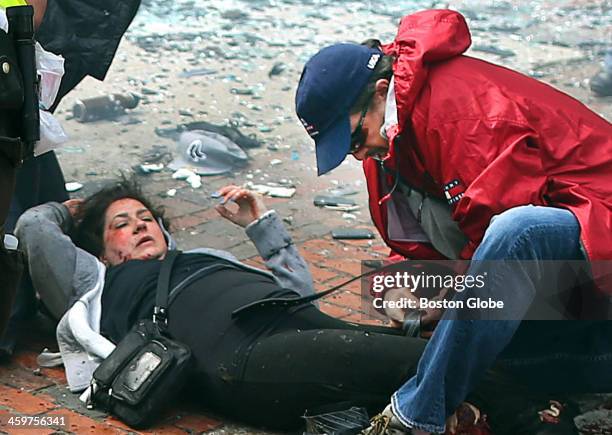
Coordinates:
311	359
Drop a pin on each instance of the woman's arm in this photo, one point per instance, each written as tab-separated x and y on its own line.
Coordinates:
280	255
60	271
270	237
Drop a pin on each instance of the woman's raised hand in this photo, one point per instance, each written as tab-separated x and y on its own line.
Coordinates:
250	205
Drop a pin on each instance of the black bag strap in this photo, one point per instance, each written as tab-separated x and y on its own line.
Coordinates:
291	302
160	311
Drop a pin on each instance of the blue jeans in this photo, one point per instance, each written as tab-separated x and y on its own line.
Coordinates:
461	351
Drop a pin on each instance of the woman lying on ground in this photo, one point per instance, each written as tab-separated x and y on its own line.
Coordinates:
266	367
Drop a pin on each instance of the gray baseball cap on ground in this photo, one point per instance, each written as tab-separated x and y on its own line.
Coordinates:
207	153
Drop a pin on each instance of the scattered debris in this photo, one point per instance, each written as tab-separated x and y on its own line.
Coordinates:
277	69
271	190
334	201
242	91
104	107
171	192
230	131
156	154
352	233
150	167
345	208
72	150
197	72
191	177
73	186
235	15
275	162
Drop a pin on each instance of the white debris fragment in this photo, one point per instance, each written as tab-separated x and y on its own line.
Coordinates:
349	216
153	167
182	174
345	208
73	186
273	191
275	162
171	192
194	180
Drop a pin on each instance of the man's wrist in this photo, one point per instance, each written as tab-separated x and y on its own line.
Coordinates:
40	7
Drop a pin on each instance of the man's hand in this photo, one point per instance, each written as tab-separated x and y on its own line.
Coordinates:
250	205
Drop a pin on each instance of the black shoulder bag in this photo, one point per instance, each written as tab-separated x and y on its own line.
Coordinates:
147	368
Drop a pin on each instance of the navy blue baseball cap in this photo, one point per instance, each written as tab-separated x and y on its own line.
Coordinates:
330	84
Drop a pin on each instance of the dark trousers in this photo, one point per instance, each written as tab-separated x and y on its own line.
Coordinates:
10	267
309	360
37	181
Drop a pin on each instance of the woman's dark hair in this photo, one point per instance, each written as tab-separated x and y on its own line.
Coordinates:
383	70
89	231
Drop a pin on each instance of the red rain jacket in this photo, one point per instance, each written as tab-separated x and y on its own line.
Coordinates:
487	139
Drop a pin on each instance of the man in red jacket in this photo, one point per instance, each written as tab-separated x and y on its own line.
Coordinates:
469	160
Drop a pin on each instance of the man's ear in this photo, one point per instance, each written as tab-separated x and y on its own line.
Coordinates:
382	87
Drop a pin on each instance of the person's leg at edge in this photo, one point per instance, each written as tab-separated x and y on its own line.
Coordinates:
460	351
10	265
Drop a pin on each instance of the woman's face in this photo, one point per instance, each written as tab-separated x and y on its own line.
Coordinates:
131	233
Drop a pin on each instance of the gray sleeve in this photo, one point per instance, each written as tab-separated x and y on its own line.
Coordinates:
60	271
280	254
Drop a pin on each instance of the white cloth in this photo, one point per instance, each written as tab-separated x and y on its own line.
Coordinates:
391	118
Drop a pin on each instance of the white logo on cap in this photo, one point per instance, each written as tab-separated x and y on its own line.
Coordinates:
373	61
310	129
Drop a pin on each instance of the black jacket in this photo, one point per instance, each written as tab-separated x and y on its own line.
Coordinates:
86	33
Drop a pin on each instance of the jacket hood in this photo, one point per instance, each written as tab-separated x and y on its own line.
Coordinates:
423	38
